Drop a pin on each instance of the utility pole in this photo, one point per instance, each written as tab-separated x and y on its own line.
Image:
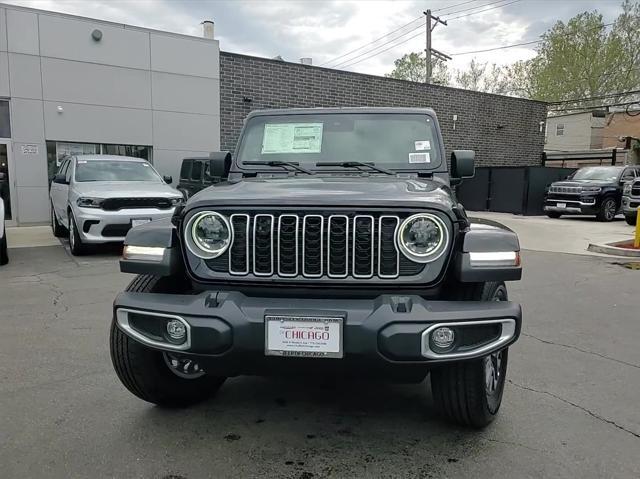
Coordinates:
430	51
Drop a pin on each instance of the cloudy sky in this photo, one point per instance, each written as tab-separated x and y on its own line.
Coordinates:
339	33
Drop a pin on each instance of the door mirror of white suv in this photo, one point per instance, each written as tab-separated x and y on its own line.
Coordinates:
60	179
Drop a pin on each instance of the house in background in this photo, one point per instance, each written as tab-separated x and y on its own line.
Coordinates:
575	131
621	129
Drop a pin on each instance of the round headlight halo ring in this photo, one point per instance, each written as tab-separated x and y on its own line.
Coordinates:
433	255
191	243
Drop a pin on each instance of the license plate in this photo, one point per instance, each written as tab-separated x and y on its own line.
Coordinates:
139	221
562	205
303	336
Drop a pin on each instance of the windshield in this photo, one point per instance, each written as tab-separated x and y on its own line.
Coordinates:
389	140
114	170
603	173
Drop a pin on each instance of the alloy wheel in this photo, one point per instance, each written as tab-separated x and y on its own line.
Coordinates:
609	209
182	366
492	372
72	239
493	362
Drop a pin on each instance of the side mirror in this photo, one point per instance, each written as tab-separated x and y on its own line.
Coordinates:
462	164
220	164
167	179
60	179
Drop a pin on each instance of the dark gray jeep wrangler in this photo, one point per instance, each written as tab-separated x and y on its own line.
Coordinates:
337	246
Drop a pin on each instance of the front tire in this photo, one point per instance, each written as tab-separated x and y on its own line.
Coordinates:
608	210
157	377
75	242
631	219
4	255
58	230
469	393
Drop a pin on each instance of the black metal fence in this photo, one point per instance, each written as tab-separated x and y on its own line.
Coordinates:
509	189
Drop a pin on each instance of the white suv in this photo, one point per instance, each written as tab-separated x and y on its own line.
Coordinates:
99	198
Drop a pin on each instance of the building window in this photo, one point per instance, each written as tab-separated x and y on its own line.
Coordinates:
57	151
5	126
560	129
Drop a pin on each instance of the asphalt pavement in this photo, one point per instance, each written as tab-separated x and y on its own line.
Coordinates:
570	407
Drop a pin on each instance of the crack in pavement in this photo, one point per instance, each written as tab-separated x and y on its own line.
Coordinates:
586	351
513	443
582	408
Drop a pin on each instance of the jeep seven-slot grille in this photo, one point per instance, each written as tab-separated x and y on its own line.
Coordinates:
312	245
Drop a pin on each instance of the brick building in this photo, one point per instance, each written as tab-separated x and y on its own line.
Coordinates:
504	131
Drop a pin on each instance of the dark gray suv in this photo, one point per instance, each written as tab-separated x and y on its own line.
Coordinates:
337	246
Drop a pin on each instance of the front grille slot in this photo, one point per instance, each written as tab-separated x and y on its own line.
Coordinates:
312	245
288	245
337	252
363	257
263	245
291	245
239	249
635	189
388	254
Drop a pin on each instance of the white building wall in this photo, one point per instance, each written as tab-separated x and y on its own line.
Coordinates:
577	132
135	86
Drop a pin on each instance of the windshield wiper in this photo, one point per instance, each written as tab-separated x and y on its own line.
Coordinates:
356	164
284	164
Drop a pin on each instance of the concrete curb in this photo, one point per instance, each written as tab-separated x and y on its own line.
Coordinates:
612	249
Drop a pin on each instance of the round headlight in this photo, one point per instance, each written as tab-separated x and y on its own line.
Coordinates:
208	234
422	237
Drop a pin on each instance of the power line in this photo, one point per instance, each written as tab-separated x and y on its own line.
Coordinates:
597	106
485	10
454	6
496	48
349	60
373	41
386	49
520	44
601	97
475	7
396	30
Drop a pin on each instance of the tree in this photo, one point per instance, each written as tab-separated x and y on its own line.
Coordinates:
577	59
581	59
412	67
484	77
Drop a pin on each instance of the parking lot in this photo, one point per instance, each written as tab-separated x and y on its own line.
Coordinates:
570	406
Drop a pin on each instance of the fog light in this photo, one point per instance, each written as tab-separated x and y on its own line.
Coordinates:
443	337
176	330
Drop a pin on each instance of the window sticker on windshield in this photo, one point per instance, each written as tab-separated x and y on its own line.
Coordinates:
419	158
82	162
292	138
422	145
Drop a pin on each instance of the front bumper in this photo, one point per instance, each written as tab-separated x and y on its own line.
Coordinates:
100	226
573	206
630	205
226	330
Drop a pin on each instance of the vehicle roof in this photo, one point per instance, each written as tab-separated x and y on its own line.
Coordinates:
364	109
106	157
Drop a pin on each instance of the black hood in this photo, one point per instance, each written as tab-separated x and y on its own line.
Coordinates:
368	191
